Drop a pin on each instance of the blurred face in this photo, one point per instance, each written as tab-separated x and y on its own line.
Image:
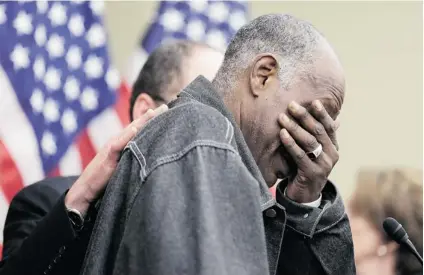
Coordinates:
372	256
270	99
203	61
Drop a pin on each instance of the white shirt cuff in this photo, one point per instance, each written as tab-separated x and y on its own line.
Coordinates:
315	203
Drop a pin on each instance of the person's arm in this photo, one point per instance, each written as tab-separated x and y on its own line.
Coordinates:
40	238
36	230
198	213
321	236
92	182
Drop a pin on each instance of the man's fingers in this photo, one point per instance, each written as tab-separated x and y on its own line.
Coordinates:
298	154
141	121
134	127
307	141
310	124
330	126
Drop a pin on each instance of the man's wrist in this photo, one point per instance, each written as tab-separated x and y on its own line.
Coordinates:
301	195
75	199
315	203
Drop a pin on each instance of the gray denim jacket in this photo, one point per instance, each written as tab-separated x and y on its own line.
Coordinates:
188	198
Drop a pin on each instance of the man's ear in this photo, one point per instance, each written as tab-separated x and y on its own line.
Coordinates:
143	103
264	73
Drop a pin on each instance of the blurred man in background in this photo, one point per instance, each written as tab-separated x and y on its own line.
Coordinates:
382	193
168	70
48	227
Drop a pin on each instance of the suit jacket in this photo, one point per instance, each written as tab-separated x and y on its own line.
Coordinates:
38	235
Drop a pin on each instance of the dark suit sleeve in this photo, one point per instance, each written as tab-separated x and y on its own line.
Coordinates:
36	231
321	235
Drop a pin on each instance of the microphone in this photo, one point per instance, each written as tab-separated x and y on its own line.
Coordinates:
397	233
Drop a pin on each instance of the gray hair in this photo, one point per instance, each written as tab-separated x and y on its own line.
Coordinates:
294	42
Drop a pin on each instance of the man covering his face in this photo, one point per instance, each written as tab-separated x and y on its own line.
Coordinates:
190	194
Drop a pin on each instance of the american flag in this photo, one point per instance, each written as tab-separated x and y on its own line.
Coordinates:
60	98
210	22
58	91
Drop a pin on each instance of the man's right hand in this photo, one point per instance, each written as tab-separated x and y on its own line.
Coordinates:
94	178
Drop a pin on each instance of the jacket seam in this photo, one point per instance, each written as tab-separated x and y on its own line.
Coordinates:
331	225
136	151
326	206
230	131
176	156
300	232
187	94
180	154
318	231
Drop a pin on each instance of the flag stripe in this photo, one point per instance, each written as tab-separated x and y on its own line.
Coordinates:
35	124
54	173
46	121
103	127
3	212
123	103
10	177
85	148
17	134
70	164
135	64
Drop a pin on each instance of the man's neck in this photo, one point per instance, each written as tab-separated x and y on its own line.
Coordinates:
235	107
229	97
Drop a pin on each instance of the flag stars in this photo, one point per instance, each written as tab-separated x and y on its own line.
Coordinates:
76	25
196	30
51	111
218	12
112	79
57	15
22	23
237	20
93	67
97	7
55	46
60	54
39	68
40	35
71	88
20	57
42	6
3	16
37	101
199	6
96	36
77	2
172	20
216	39
73	57
48	144
89	99
52	79
69	121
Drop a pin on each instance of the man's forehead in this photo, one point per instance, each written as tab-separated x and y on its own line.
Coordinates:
328	103
332	108
329	91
